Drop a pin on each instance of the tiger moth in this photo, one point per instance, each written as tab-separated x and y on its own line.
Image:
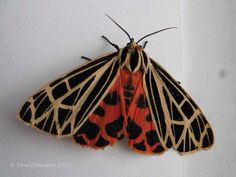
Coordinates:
120	94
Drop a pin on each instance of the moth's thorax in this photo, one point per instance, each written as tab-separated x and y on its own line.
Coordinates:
133	57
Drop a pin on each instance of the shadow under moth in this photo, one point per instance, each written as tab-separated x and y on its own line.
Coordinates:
120	94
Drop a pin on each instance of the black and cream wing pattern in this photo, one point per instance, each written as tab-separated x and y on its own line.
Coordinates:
62	106
179	121
122	94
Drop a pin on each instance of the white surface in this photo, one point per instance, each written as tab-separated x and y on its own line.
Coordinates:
209	51
39	40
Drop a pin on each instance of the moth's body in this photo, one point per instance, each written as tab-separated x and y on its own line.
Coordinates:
120	94
124	93
133	57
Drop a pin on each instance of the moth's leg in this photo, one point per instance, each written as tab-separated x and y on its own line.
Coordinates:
114	45
86	58
144	45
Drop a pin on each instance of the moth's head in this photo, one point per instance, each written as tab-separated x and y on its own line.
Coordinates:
132	45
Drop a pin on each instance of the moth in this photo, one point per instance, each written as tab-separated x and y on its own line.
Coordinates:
120	94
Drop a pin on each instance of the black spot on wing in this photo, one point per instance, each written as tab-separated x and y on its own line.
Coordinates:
128	94
152	137
158	149
193	147
48	122
203	118
187	143
24	108
99	111
63	115
54	129
177	131
67	129
181	147
148	118
112	98
70	100
101	142
40	124
187	109
59	90
56	82
42	107
201	123
169	143
140	146
80	140
208	139
89	129
38	94
210	135
142	102
176	114
196	129
133	129
25	112
39	99
114	127
192	102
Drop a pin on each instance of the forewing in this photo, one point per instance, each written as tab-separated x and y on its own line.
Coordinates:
175	113
56	106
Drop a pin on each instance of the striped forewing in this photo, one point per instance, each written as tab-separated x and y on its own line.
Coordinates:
176	115
58	105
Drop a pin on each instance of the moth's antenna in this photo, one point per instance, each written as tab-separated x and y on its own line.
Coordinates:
155	33
120	27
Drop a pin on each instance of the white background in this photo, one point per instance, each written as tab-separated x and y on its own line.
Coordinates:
209	64
39	40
